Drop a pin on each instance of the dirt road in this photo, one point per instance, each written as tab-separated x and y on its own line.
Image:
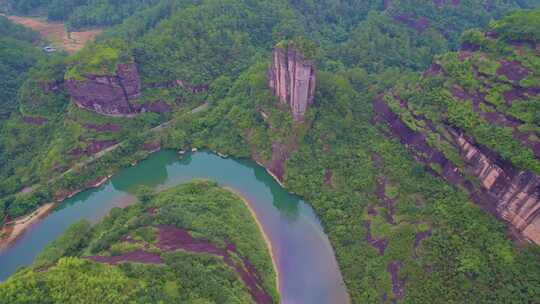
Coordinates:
56	33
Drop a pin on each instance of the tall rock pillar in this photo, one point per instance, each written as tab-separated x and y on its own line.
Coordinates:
291	78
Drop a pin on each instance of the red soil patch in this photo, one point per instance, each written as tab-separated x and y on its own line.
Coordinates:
459	93
389	204
152	146
380	245
38	121
377	160
519	93
524	138
171	238
469	47
137	256
419	24
94	147
100	145
499	118
462	55
398	286
419	237
372	211
513	70
328	177
108	127
159	107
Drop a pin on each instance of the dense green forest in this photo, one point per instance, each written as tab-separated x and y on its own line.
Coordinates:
81	13
456	264
17	55
78	266
364	48
489	80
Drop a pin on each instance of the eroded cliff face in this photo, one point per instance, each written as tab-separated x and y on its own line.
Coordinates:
515	193
291	78
511	194
108	94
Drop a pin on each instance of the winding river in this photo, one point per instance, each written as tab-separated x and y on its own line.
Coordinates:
308	269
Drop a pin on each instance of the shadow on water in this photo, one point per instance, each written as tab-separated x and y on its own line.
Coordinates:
153	175
282	200
82	196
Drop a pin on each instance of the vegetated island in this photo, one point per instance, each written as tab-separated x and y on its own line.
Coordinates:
213	250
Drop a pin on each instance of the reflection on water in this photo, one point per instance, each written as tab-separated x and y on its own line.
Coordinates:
307	266
284	201
128	179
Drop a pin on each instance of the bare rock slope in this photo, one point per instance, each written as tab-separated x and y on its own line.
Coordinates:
108	94
505	191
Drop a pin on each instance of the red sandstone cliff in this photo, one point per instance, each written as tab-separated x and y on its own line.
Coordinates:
107	94
291	78
514	193
511	194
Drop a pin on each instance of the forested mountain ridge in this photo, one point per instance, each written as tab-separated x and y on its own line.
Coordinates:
194	243
399	233
473	118
177	41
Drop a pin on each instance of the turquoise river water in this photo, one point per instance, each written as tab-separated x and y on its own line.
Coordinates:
308	269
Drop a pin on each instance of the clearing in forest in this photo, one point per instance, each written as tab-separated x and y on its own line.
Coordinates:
56	33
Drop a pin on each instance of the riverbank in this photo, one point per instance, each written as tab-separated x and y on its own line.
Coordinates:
13	230
270	173
263	234
307	263
62	195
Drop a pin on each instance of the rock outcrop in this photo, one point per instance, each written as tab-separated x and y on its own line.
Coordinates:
108	94
505	191
291	78
515	193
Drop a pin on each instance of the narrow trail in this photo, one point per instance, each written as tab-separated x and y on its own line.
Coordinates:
30	189
106	151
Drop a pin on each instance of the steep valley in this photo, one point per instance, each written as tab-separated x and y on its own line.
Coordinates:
412	128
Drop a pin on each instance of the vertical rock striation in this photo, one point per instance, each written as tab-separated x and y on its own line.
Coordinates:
509	193
291	78
515	193
107	94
